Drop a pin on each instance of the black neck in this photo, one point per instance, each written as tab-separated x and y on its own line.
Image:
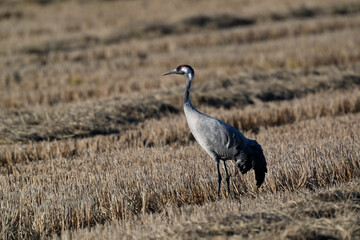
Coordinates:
186	97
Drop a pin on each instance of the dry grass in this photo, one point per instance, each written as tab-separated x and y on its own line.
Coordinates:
101	78
101	70
170	130
60	194
94	144
116	115
330	213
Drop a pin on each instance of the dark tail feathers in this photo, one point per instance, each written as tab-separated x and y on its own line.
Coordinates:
254	158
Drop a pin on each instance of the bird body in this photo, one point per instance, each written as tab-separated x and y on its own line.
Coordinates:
220	140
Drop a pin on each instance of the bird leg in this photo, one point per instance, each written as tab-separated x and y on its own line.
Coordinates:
227	177
219	177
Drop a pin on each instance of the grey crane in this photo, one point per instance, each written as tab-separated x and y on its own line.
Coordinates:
220	140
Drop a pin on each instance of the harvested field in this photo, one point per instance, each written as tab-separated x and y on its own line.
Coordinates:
94	143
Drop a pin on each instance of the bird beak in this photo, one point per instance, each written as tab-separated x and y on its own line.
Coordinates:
170	72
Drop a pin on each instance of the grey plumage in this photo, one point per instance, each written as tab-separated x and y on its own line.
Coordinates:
220	140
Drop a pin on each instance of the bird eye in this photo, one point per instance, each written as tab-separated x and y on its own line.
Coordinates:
179	68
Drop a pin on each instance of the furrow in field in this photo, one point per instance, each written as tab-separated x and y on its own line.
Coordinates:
171	130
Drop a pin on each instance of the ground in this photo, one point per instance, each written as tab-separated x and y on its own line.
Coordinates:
94	143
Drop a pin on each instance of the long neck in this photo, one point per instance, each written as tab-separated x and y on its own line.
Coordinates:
189	78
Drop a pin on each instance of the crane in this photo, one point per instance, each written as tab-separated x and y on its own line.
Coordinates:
220	140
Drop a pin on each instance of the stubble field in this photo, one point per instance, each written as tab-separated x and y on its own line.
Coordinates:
94	143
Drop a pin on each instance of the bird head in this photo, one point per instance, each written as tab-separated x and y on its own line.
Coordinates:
182	70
